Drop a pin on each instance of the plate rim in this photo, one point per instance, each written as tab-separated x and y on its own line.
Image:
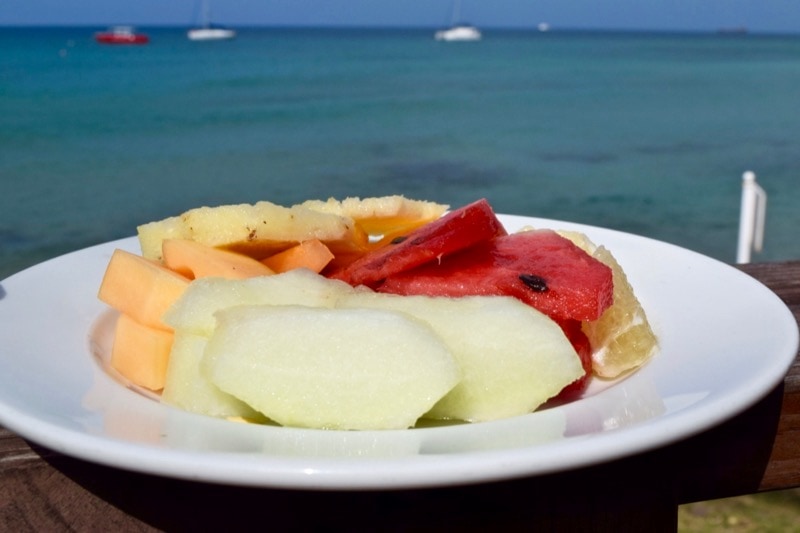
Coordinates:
409	472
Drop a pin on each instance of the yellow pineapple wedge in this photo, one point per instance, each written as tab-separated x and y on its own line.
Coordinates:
381	215
257	230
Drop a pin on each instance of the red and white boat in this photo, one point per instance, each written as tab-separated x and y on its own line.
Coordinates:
121	35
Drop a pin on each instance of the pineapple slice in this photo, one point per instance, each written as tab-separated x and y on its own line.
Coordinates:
257	230
382	215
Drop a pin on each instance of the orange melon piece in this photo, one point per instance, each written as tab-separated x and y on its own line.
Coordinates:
140	288
141	353
311	254
195	260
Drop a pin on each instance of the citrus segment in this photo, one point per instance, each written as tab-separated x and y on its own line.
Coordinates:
622	338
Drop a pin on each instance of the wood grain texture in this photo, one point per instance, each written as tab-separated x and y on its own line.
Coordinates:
783	468
784	280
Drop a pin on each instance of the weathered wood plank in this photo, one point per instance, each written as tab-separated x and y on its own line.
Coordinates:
784	280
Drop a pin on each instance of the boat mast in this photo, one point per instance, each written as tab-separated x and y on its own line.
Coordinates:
204	14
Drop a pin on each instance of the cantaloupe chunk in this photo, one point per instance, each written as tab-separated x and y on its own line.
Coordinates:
141	353
311	254
195	260
140	288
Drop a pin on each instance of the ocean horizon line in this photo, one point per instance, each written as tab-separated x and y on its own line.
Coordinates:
721	31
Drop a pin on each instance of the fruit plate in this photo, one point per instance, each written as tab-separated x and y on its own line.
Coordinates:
725	341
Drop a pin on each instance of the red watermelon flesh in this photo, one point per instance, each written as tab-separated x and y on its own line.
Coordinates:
541	268
579	340
457	230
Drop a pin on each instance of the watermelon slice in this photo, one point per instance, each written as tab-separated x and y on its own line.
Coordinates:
540	267
579	340
455	231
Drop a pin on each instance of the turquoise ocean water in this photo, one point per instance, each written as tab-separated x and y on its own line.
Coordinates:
646	133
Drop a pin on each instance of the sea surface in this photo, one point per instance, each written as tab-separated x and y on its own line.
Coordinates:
643	132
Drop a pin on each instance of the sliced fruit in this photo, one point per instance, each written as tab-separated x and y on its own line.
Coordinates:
152	234
186	386
141	353
513	357
140	288
330	369
194	311
311	254
580	342
622	338
539	267
382	215
257	230
195	260
455	231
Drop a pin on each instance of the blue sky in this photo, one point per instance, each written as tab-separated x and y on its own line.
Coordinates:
756	15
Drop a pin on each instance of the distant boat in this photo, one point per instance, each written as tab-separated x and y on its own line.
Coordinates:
738	30
208	31
458	31
121	35
211	33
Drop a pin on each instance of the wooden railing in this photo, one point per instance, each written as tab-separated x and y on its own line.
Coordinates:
758	450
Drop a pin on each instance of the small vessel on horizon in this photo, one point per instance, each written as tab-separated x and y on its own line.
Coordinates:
121	35
208	31
458	31
736	30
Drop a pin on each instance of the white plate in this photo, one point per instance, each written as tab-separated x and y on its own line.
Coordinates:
725	341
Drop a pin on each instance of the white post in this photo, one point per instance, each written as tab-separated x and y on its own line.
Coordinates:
751	218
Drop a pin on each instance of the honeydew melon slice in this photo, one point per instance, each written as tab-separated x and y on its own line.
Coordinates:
187	387
513	357
194	310
346	369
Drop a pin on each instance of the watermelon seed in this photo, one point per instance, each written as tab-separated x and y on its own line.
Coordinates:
533	282
398	240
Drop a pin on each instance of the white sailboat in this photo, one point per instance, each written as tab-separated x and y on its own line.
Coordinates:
458	31
208	31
